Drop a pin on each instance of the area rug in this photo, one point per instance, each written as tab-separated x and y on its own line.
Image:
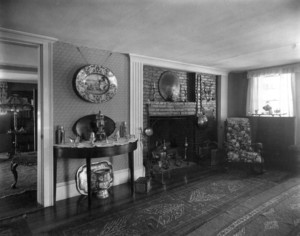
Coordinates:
27	179
175	212
280	215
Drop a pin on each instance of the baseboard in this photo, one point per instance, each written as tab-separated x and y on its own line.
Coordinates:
68	189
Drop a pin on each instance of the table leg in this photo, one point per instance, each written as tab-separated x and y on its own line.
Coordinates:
54	178
13	168
131	167
88	173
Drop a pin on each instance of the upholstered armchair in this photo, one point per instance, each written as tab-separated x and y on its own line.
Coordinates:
238	144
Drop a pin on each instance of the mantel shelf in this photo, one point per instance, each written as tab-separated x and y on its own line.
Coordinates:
167	103
171	108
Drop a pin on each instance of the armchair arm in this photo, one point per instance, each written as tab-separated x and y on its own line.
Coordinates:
257	147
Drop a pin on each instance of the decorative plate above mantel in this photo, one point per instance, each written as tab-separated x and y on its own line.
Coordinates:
94	83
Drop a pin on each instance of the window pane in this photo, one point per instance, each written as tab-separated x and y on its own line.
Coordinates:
271	95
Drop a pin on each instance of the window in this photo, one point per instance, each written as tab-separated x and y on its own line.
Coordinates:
270	94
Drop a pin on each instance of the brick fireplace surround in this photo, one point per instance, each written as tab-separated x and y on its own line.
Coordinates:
137	107
175	121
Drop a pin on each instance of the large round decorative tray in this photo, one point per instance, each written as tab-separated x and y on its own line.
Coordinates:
169	86
95	83
81	177
87	124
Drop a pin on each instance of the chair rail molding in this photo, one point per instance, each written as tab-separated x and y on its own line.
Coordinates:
44	45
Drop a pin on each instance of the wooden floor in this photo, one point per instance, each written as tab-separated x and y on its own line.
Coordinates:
17	204
44	219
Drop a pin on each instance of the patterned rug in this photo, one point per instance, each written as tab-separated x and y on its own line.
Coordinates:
175	212
278	216
27	179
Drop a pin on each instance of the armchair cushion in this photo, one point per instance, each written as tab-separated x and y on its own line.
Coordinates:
238	143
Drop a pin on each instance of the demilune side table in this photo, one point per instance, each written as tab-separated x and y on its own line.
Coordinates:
87	151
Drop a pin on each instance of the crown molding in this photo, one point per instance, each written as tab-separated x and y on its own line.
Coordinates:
159	62
9	35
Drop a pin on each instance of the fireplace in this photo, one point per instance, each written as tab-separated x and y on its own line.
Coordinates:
175	121
144	75
176	132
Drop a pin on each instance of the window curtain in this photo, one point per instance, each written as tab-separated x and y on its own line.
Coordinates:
292	71
252	95
282	86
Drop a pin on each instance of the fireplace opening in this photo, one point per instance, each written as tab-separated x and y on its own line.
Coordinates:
177	132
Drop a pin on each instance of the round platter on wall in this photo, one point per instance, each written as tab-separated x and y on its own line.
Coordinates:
95	83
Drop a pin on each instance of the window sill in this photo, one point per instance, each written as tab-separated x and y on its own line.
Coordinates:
270	116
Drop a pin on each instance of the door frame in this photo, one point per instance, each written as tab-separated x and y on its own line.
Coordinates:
45	184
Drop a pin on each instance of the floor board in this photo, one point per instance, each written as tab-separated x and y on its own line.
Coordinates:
120	197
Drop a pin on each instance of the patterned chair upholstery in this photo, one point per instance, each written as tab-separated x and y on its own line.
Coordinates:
238	144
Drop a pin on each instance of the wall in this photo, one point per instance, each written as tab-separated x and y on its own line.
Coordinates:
68	107
237	94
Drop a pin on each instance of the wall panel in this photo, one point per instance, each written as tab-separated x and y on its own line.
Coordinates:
68	107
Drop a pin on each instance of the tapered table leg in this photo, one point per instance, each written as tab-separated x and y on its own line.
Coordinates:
88	173
13	168
131	167
54	178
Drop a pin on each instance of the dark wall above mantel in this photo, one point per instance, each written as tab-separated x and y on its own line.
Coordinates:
152	75
276	134
237	94
187	79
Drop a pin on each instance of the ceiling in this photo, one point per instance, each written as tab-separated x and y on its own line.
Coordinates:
234	35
